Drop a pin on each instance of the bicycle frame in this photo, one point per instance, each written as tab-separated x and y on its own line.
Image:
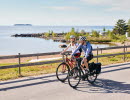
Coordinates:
81	68
69	62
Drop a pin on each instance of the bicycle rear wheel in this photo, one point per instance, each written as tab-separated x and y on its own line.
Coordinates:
91	77
62	72
74	77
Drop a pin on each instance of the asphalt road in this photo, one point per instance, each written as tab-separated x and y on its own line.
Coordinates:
112	84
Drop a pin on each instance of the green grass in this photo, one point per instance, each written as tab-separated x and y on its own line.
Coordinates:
6	64
6	74
99	39
12	73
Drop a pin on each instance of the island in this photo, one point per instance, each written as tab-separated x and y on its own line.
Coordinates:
22	24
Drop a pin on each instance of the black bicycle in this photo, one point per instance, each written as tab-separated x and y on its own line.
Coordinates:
79	72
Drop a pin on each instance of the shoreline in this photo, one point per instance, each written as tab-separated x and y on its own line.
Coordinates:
60	38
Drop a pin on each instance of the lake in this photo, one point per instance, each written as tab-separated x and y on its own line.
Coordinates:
12	45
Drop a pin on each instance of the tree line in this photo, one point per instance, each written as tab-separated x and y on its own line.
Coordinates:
117	34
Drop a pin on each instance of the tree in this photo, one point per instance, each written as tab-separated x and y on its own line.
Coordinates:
95	33
128	28
104	33
111	35
104	29
83	32
128	22
107	33
47	34
54	34
120	27
72	32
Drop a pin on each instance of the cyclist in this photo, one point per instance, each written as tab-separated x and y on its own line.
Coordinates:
73	45
87	48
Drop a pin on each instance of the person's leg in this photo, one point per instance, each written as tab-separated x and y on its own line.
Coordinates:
85	61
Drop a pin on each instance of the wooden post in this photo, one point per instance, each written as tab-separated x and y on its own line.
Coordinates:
126	48
37	56
19	61
124	53
97	54
63	57
101	51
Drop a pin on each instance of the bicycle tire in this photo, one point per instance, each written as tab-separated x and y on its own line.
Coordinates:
73	78
59	74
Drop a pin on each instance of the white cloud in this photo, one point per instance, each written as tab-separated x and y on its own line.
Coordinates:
62	8
112	5
96	2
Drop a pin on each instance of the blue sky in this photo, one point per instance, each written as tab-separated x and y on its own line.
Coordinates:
63	12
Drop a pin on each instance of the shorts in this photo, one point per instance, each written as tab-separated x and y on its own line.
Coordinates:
77	55
90	57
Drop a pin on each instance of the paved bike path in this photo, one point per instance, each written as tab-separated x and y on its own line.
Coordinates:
112	83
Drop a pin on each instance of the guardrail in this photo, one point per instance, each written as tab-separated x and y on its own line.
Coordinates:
19	56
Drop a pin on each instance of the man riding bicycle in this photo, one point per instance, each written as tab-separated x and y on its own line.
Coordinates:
87	48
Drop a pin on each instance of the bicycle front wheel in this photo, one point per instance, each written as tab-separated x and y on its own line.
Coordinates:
62	72
74	77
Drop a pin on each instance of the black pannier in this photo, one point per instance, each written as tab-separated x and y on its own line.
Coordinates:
95	67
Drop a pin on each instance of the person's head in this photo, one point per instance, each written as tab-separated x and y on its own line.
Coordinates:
72	38
82	39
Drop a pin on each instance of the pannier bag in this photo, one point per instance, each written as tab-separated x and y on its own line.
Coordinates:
95	67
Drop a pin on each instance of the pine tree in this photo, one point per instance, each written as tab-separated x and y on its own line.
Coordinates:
128	27
120	27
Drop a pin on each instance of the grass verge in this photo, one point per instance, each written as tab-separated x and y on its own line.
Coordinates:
6	74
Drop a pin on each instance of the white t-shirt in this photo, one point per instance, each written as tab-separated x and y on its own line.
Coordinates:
74	47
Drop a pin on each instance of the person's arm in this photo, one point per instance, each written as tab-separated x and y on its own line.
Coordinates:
66	49
77	44
76	49
89	50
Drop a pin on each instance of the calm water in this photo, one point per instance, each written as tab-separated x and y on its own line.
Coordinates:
11	45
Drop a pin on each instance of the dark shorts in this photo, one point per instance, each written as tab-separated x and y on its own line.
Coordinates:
90	57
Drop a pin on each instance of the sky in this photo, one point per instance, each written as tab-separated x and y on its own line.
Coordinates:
63	12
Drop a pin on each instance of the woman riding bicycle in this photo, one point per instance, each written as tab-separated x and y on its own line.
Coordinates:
73	45
87	48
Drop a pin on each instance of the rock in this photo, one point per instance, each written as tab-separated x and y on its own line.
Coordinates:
62	46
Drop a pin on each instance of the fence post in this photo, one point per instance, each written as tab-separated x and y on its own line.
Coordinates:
124	53
37	56
126	48
19	61
101	51
97	54
63	57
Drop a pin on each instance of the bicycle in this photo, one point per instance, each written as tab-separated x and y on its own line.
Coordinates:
78	73
64	68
